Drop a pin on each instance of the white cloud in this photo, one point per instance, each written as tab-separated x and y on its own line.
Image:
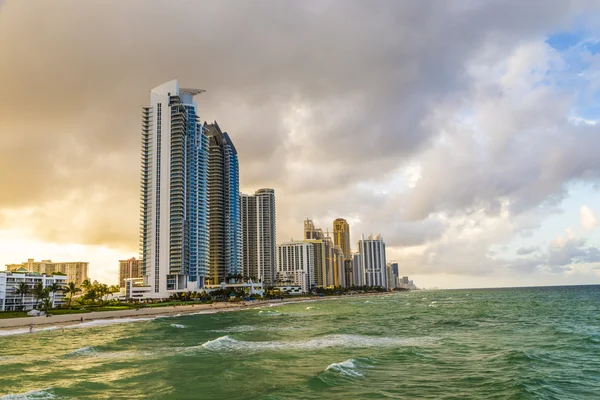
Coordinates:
587	218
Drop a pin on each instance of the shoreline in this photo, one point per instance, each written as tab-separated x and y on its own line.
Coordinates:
61	321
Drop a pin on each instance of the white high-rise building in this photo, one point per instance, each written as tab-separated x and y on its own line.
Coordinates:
259	236
296	264
173	218
358	270
372	259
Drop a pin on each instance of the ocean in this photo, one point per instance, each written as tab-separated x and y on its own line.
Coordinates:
522	343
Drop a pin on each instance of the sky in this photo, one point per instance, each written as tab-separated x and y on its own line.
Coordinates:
465	132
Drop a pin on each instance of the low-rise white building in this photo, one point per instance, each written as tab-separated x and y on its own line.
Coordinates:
10	281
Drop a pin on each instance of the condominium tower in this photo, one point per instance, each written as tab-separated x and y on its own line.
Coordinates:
129	269
259	236
189	193
76	271
296	264
224	227
341	236
372	260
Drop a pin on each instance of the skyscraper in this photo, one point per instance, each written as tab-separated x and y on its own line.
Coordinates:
249	236
173	223
341	236
224	221
259	236
372	259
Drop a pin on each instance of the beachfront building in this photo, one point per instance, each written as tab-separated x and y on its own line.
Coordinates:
129	269
11	300
296	265
372	258
259	247
190	230
224	220
76	271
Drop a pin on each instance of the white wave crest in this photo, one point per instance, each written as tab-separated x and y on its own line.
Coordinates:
227	343
178	326
83	352
348	368
309	308
25	330
102	322
236	329
42	394
269	313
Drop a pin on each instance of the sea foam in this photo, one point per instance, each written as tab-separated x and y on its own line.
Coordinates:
41	394
228	343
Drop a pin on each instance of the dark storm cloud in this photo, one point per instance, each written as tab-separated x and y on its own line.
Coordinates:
318	97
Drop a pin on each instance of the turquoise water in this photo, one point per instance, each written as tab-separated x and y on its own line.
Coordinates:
532	343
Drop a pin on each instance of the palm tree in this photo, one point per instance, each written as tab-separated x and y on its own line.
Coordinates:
22	290
46	304
39	292
53	288
86	285
71	289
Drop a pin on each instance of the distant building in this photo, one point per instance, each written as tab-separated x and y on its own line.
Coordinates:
389	274
312	233
76	271
9	281
296	265
358	270
259	236
373	260
320	257
129	269
349	273
341	236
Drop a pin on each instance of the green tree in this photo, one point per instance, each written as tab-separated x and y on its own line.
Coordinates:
22	290
52	289
71	289
39	292
46	304
86	285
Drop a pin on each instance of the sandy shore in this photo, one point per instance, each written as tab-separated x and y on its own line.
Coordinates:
72	319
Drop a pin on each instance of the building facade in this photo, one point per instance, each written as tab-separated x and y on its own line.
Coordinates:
249	221
190	230
341	237
296	265
259	236
358	270
129	269
76	271
10	281
373	261
224	221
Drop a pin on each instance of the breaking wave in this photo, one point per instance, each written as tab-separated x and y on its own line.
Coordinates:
41	394
227	343
348	368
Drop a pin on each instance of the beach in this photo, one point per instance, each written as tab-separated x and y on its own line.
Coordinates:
144	312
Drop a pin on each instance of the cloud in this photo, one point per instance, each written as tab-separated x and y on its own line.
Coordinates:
447	129
523	251
587	218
